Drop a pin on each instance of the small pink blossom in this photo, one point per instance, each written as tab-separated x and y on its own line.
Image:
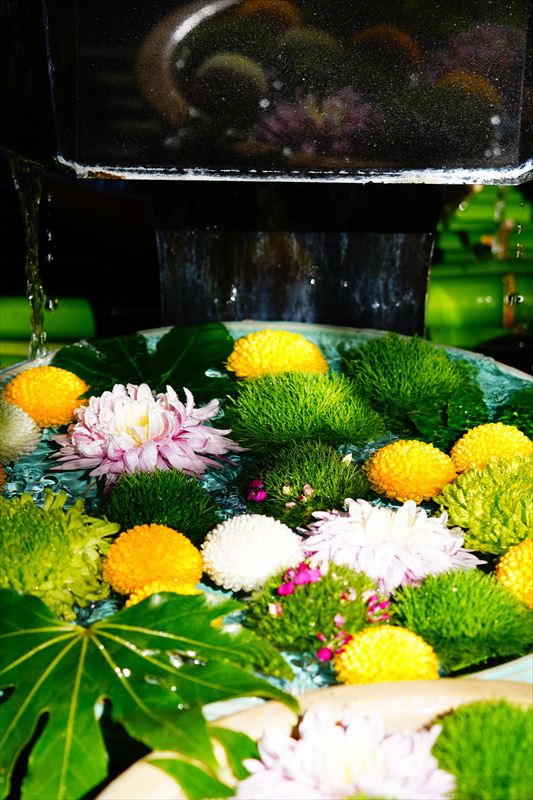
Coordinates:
331	759
299	576
335	645
339	620
286	588
256	491
342	640
324	654
129	429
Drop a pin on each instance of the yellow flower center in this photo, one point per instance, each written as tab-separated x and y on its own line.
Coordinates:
137	424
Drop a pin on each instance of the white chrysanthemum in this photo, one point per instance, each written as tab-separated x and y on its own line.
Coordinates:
392	546
19	433
243	552
332	759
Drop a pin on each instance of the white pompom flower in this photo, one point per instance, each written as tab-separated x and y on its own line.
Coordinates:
243	552
19	433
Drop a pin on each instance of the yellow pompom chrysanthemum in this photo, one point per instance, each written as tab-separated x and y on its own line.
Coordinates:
49	395
270	352
386	653
152	553
409	470
473	84
389	39
482	444
161	586
515	571
280	13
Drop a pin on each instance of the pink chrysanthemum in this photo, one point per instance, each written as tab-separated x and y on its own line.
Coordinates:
494	51
338	125
334	759
394	547
130	429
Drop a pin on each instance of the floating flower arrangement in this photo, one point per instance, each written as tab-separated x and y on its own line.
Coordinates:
207	516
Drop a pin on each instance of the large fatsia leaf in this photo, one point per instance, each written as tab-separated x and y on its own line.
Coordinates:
187	355
103	362
156	663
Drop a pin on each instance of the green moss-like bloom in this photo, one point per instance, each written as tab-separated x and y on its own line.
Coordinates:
276	410
466	616
164	497
292	621
311	58
487	745
411	382
492	504
52	553
229	85
302	478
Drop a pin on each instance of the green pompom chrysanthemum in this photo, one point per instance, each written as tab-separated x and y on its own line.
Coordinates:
323	606
492	504
466	616
164	497
52	553
302	478
413	384
276	410
487	745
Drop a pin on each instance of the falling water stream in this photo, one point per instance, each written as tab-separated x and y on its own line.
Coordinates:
28	182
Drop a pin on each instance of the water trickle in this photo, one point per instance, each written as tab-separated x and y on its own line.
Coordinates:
28	182
519	252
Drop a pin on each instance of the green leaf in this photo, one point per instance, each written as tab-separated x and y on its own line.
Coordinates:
196	784
103	362
191	356
238	746
443	425
518	411
188	351
156	663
